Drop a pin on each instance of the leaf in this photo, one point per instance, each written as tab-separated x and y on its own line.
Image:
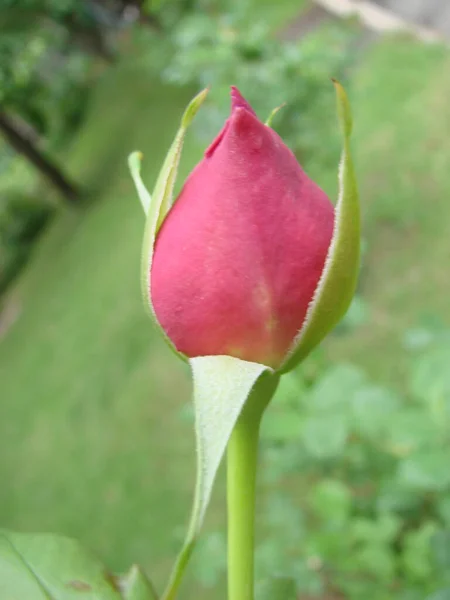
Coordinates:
394	497
410	429
358	314
336	388
324	437
331	501
417	556
378	561
283	426
440	595
222	385
443	508
372	410
291	389
338	280
277	588
440	546
210	561
430	381
158	204
50	567
426	471
286	521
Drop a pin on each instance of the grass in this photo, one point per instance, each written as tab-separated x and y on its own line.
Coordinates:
92	442
89	397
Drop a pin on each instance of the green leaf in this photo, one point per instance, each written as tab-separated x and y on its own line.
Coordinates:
157	205
210	560
277	588
336	389
282	426
291	390
222	385
358	314
440	546
443	508
338	280
430	381
417	556
426	471
331	501
325	437
372	410
378	561
440	595
410	429
50	567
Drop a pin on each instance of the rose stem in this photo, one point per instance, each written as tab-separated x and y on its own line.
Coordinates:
242	458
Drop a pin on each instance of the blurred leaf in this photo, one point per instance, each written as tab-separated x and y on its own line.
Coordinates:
440	545
277	588
443	508
426	470
358	314
441	595
291	389
378	560
416	555
286	520
380	531
430	379
372	410
394	497
409	430
283	459
280	426
336	388
331	501
325	437
210	560
418	338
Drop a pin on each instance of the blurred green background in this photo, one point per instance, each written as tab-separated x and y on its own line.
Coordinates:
96	425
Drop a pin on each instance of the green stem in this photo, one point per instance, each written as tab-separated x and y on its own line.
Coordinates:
242	458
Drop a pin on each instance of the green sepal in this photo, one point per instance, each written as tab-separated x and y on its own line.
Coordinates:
273	113
339	277
136	586
222	385
158	204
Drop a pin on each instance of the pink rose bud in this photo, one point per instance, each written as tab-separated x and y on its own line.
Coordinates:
239	256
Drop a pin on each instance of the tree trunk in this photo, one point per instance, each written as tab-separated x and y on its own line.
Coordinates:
25	146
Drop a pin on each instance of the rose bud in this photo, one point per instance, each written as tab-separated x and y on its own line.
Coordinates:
252	260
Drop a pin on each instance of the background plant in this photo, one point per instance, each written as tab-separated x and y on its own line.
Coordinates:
57	378
375	516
